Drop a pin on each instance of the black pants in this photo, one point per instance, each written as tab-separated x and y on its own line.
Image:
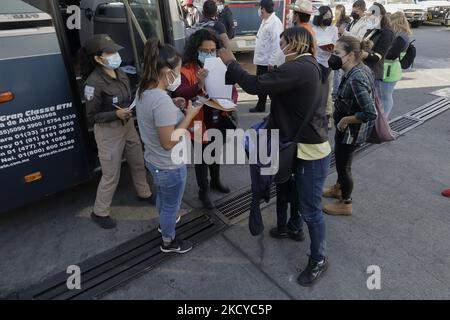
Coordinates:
287	193
201	171
262	99
344	157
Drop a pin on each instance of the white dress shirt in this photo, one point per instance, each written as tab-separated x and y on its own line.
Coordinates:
267	47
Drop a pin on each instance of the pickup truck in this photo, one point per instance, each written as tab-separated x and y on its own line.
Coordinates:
436	10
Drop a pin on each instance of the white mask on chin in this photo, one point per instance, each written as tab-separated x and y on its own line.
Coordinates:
175	84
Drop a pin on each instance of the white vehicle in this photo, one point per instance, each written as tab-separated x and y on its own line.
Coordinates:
447	19
436	9
416	13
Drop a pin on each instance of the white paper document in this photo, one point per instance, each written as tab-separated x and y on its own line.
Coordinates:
226	104
215	81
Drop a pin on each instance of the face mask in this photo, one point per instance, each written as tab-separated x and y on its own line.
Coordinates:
355	16
259	12
175	84
114	61
202	56
220	8
327	22
335	62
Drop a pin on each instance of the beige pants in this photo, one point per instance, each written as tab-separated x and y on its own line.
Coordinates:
113	141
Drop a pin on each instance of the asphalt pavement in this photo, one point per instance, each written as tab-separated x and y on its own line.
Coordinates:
400	221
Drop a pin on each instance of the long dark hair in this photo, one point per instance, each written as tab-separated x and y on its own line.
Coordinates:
385	23
195	41
156	57
318	19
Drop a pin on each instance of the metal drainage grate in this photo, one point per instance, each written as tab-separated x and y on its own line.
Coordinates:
403	124
108	270
236	207
431	109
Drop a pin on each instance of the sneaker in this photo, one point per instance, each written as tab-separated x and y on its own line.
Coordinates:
446	193
177	246
333	191
312	272
104	222
176	221
339	208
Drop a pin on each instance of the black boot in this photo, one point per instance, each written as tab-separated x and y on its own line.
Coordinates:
216	184
203	195
201	173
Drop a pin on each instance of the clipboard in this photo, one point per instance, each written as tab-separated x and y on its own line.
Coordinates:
219	104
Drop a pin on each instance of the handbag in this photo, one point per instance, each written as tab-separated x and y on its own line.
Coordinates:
381	131
288	153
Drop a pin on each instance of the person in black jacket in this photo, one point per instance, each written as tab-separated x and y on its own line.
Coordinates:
226	17
295	92
376	43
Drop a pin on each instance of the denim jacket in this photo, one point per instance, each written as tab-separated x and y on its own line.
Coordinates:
356	97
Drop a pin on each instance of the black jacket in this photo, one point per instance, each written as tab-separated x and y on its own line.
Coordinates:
226	17
294	88
382	40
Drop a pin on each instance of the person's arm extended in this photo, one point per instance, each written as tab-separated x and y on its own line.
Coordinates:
279	80
165	132
398	45
225	40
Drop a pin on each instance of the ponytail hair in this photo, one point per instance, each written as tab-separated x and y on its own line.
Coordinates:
157	56
351	44
87	63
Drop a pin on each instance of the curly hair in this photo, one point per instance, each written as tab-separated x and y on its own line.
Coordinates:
195	41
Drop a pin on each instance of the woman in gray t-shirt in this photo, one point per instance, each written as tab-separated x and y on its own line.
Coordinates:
158	118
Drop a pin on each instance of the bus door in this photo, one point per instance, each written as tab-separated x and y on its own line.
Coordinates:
42	147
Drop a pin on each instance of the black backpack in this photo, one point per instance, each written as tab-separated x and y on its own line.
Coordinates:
407	61
198	26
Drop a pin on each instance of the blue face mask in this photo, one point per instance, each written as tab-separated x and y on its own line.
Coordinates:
202	56
114	61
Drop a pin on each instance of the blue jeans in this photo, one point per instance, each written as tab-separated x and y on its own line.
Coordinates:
387	96
170	185
310	177
385	91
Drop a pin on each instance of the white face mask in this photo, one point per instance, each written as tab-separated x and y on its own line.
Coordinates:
114	61
175	84
259	12
220	7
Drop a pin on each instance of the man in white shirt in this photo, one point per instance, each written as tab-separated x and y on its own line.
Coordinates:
267	48
360	24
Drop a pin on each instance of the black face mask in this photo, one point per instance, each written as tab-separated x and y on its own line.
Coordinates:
335	62
327	22
355	16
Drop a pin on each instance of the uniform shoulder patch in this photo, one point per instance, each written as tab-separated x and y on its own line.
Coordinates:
89	92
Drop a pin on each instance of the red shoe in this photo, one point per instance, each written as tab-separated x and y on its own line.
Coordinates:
446	193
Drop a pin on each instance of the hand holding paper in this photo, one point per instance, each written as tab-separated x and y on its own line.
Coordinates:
215	81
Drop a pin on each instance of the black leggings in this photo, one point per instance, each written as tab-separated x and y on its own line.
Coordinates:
343	154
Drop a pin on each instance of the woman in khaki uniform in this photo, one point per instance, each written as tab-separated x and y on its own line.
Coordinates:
107	92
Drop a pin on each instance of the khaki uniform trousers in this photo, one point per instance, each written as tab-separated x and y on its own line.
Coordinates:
115	139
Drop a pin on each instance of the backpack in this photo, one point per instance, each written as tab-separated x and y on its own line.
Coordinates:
408	59
198	26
